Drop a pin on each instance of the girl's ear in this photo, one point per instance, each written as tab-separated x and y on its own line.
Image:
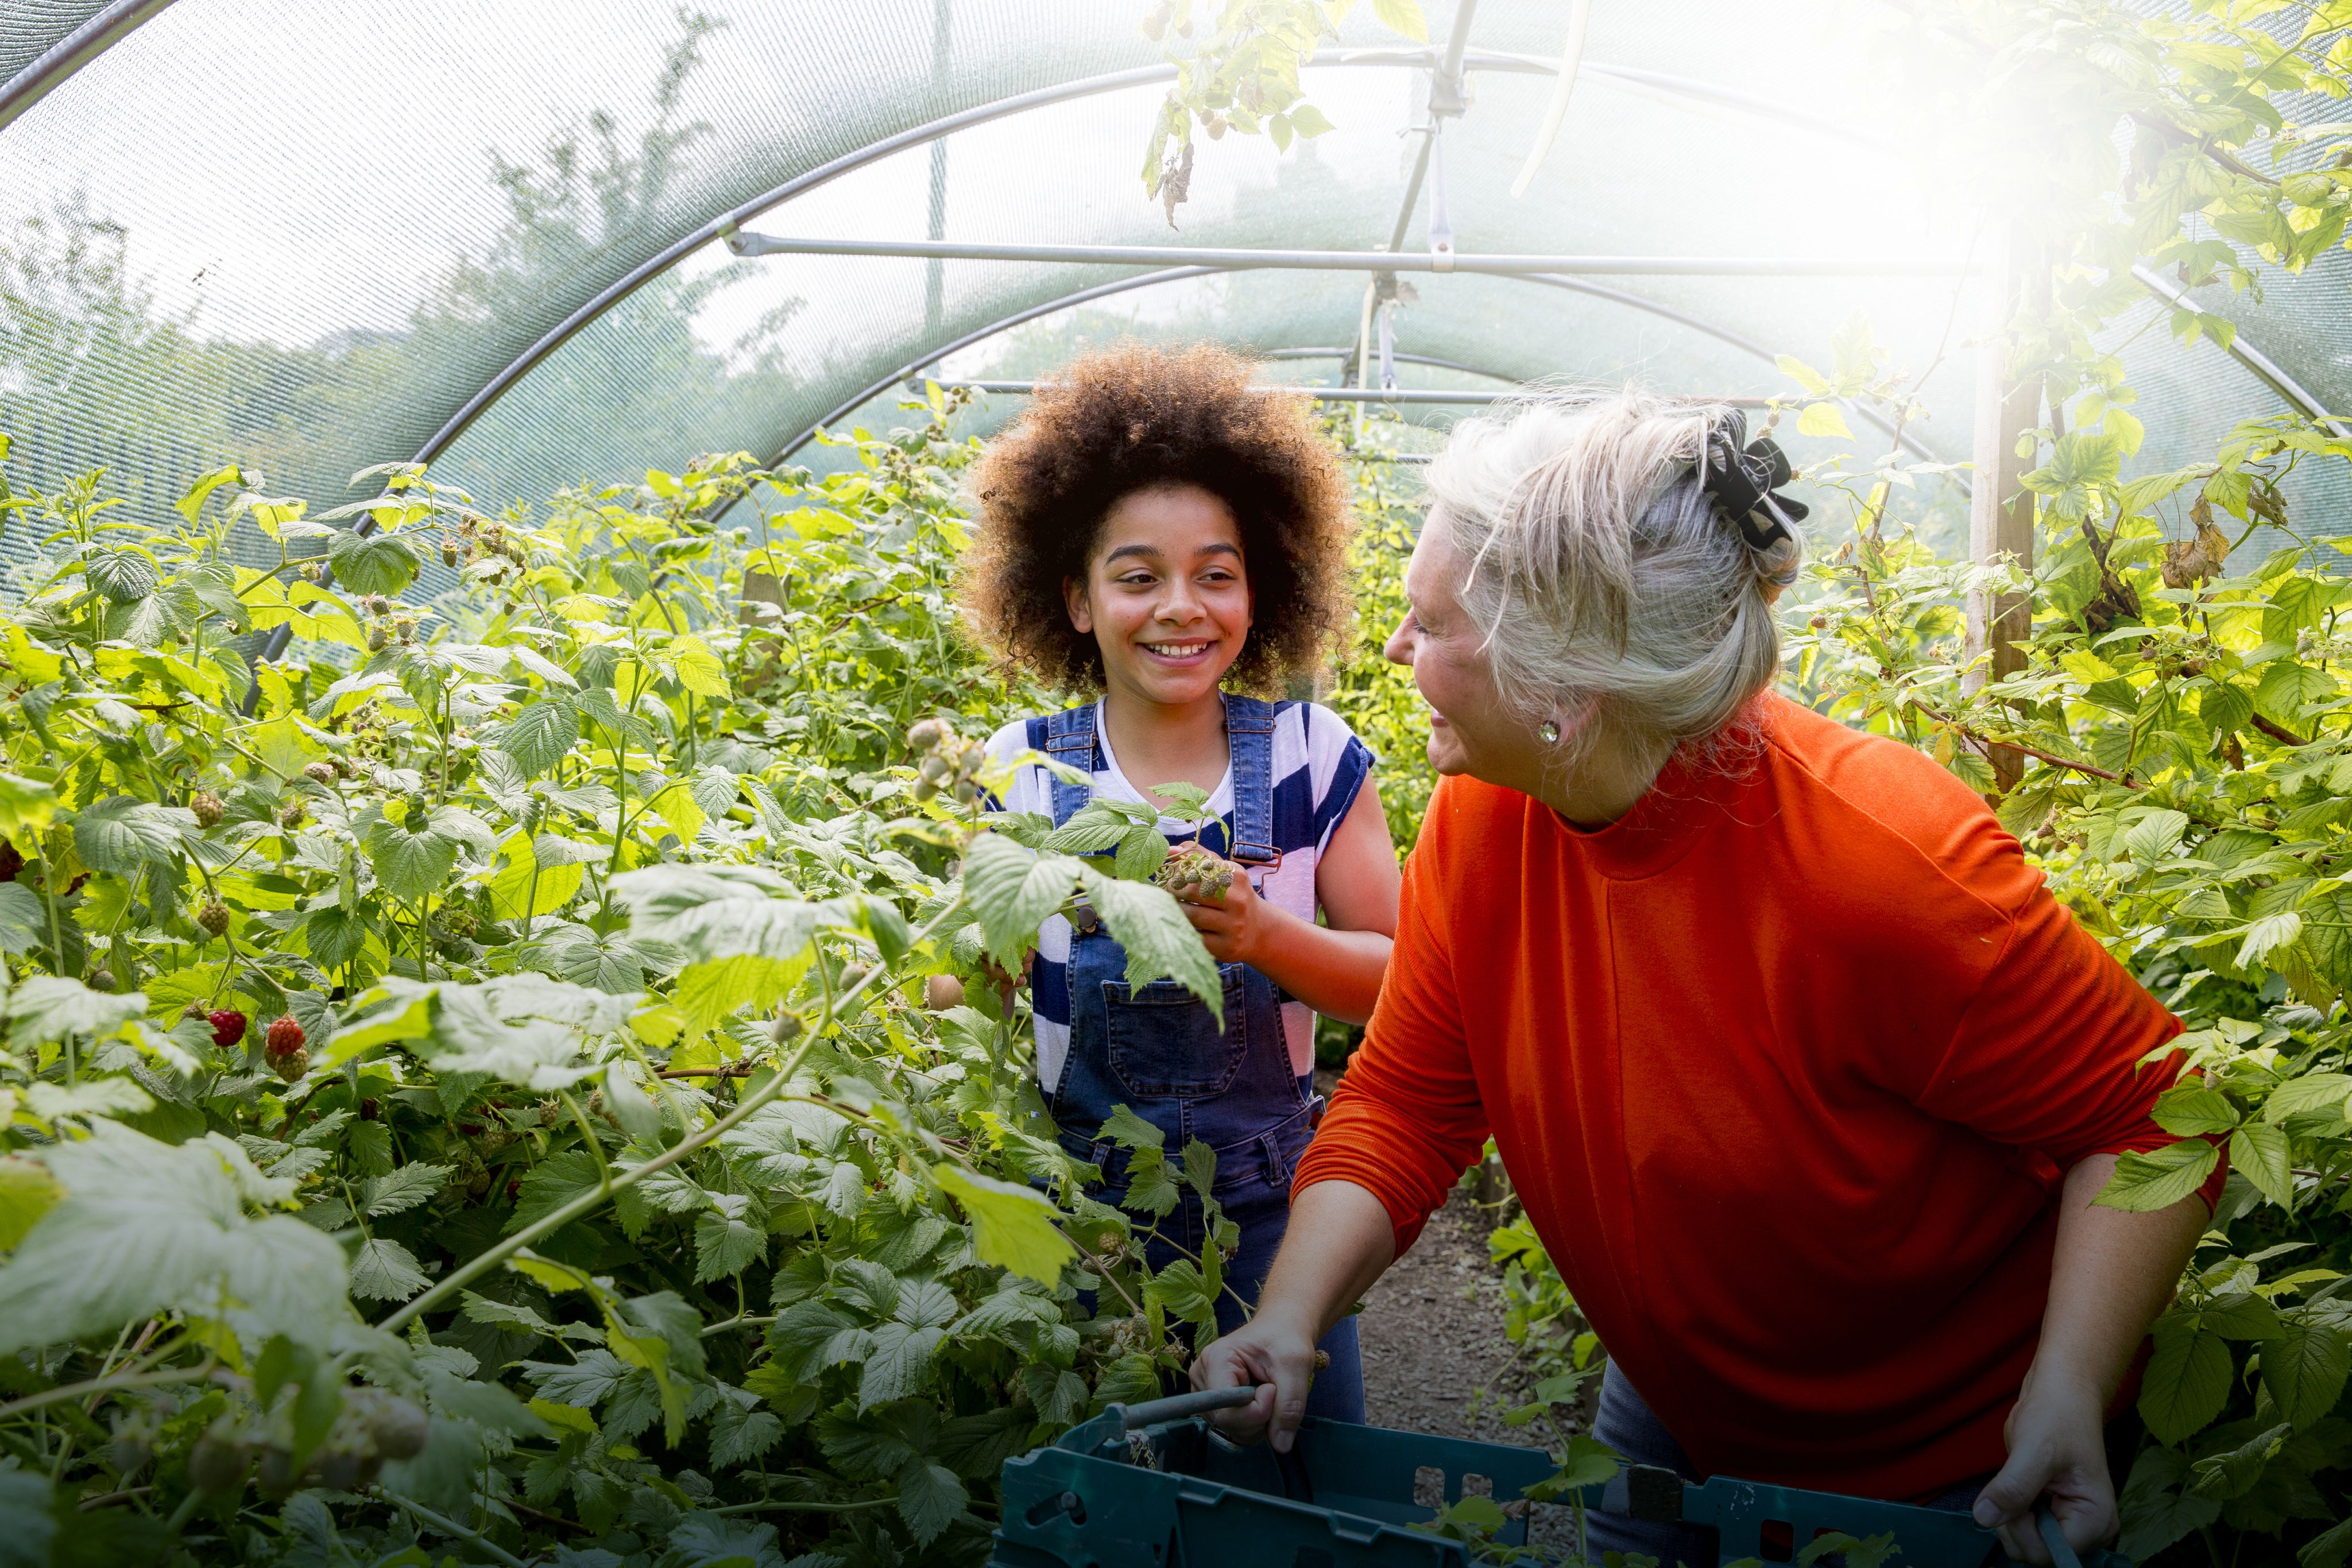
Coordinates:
1082	612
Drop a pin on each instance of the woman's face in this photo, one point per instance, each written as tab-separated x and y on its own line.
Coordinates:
1470	730
1166	597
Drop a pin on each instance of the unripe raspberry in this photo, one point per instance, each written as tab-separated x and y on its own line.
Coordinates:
228	1026
852	975
213	918
785	1030
292	815
377	638
101	979
291	1066
208	808
457	922
319	772
924	733
448	552
941	992
192	1011
284	1035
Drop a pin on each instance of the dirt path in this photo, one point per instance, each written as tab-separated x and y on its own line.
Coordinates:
1432	1336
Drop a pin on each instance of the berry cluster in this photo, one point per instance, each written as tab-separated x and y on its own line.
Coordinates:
951	763
374	1426
283	1045
207	807
1194	873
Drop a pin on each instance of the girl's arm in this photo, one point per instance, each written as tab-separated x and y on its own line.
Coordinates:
1336	969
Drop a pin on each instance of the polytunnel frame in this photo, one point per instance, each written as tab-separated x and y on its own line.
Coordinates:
122	17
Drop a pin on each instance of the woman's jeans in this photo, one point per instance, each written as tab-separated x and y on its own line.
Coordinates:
1625	1423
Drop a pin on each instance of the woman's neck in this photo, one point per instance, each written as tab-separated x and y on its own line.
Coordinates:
1607	783
1167	743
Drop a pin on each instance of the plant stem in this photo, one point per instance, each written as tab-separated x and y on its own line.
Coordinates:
105	1386
473	1538
587	1203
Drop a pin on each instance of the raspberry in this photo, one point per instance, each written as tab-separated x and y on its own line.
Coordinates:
228	1027
291	817
291	1066
213	918
926	734
1194	866
319	772
941	992
284	1035
101	979
12	861
208	808
785	1030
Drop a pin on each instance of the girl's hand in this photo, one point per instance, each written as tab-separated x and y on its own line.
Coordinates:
2056	1449
1233	923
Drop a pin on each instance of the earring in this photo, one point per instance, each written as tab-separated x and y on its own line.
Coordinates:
1549	730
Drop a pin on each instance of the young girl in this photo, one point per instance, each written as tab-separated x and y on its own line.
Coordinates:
1154	530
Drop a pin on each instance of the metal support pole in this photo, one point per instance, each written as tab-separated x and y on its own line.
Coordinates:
2001	509
1442	396
743	242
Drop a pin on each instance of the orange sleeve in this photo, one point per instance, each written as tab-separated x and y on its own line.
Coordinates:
2049	1054
1407	1120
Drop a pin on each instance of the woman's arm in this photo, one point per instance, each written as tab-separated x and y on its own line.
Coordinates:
2112	1273
1336	969
1340	1240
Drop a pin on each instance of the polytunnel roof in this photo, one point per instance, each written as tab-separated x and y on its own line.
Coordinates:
315	238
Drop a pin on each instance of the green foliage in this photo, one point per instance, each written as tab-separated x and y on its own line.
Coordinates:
589	1172
1243	75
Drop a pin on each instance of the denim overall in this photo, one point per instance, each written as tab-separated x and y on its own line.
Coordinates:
1157	1051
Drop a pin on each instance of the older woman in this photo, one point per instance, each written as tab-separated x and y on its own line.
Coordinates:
1804	1077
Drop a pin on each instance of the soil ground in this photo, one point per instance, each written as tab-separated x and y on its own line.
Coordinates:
1432	1336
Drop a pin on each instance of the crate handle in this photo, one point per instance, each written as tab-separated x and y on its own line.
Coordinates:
2062	1552
1181	1407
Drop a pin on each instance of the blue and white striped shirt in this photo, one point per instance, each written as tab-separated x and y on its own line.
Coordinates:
1319	766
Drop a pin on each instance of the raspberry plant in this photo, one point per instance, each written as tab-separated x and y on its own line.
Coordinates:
643	1155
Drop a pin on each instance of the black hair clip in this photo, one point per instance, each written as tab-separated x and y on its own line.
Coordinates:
1741	484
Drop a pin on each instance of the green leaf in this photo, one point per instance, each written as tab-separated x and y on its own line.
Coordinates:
724	1246
2161	1178
1309	120
372	563
1130	1131
1012	889
2190	1108
47	1008
542	734
929	1499
144	1226
410	865
402	1189
27	1193
2187	1380
335	935
1142	850
2156	835
2259	1151
126	575
121	834
897	1362
1404	18
1159	940
1823	419
2155	1514
1180	1291
1013	1225
385	1271
2305	1367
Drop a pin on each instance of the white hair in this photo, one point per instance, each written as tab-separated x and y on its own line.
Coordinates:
1612	592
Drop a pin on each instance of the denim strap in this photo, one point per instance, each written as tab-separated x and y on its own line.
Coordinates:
1070	740
1249	735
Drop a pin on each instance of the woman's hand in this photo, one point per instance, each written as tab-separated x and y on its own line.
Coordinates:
1275	1351
2057	1449
1233	923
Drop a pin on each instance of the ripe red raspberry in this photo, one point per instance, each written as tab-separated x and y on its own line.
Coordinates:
228	1027
284	1035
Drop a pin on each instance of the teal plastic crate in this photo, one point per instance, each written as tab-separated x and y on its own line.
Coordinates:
1148	1486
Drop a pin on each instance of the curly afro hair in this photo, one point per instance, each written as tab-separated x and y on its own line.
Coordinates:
1129	418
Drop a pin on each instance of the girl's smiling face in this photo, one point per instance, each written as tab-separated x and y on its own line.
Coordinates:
1166	595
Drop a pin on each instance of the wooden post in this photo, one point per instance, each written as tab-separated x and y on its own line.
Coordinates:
2001	509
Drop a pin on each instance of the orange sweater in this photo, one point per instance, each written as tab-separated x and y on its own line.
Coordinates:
1786	1068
